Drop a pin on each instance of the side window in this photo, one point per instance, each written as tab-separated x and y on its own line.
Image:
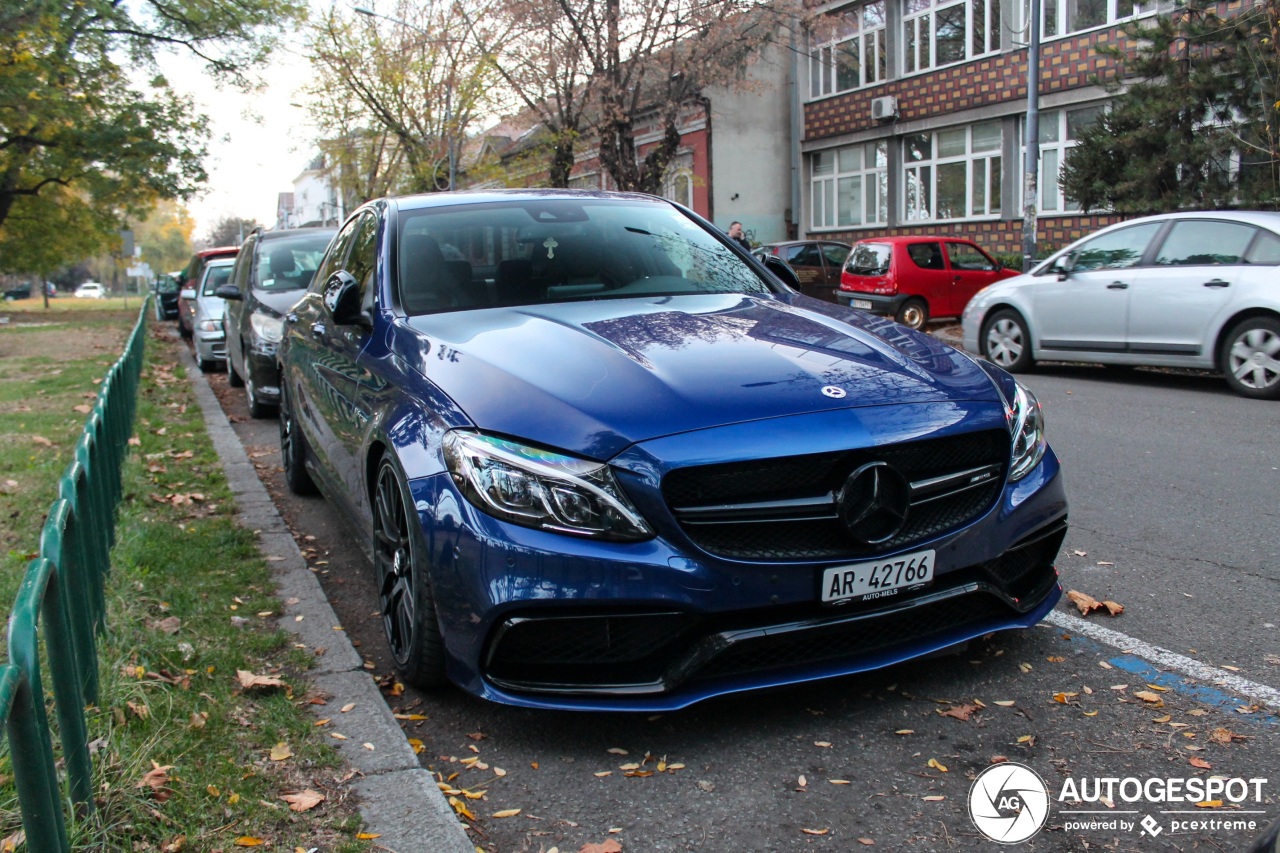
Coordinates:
927	256
244	260
808	256
966	256
335	257
835	253
1201	243
1116	250
793	254
364	254
1265	250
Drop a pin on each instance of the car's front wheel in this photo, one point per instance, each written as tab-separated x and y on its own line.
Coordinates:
404	583
233	379
293	449
1006	341
258	408
1250	358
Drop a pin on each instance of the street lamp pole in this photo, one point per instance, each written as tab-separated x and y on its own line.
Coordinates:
448	91
1031	166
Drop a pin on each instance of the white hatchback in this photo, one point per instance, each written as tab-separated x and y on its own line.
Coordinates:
1195	289
90	290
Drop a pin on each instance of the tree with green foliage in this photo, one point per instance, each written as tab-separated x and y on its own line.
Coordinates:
1197	125
229	231
83	144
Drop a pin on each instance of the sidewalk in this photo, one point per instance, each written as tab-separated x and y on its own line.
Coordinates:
399	800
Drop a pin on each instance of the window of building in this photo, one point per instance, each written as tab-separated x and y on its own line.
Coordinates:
677	184
1062	17
850	186
1060	131
952	174
939	32
847	49
589	181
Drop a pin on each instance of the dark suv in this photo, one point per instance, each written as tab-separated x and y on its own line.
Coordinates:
272	272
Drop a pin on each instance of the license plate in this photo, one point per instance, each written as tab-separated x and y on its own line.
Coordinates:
878	578
861	303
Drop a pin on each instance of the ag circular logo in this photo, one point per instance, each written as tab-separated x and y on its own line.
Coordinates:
1008	803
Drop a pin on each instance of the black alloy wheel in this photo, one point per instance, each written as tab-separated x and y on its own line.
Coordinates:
257	408
293	450
404	584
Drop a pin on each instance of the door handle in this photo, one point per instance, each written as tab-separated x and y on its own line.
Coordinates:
317	330
955	278
1117	285
1217	282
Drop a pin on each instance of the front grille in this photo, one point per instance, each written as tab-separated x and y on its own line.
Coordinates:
750	521
851	639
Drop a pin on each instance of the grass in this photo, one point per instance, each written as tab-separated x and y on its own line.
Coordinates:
68	304
190	602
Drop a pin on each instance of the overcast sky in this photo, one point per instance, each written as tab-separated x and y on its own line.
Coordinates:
259	143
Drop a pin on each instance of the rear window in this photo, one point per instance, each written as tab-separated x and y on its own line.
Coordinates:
869	259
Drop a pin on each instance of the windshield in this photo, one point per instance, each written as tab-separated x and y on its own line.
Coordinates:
215	276
869	259
289	262
534	252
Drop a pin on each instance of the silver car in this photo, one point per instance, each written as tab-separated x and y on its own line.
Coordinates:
1194	289
209	338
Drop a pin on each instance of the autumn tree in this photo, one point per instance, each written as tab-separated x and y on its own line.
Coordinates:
647	58
165	236
1197	124
394	92
82	142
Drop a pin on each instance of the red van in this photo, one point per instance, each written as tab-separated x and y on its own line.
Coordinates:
913	279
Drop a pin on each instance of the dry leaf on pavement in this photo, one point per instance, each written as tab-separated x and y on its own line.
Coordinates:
249	681
609	845
1086	604
960	712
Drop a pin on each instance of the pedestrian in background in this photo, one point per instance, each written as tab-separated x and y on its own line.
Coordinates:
735	234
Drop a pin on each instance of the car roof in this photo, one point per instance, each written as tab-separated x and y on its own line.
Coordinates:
294	232
899	239
217	251
220	262
1261	218
447	199
782	243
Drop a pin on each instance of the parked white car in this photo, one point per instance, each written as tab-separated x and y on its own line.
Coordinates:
1193	289
206	322
90	290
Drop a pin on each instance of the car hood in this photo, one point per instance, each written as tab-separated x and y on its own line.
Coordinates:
277	302
594	377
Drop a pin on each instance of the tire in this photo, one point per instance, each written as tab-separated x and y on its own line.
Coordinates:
914	314
233	379
257	408
1005	341
405	600
1250	358
293	450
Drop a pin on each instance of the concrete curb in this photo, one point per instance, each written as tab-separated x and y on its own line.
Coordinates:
398	799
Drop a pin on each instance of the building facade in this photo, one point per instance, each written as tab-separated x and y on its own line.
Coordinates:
314	200
914	115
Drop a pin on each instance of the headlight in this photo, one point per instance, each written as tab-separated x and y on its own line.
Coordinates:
210	326
1026	424
540	489
268	329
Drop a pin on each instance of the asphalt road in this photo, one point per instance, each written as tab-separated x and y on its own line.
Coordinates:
1172	482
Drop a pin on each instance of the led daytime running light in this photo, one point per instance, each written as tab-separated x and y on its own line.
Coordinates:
1026	427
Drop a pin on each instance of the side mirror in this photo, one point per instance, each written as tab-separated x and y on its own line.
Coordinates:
188	294
342	298
1064	265
782	271
229	291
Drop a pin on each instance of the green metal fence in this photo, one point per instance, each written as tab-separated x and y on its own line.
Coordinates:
62	599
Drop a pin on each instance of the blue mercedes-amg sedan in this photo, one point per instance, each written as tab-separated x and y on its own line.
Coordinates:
605	459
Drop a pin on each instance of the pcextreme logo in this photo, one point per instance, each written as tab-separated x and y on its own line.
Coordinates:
1009	803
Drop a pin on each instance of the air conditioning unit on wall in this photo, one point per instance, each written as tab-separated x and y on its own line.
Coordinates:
885	108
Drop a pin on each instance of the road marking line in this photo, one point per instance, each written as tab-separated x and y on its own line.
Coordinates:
1167	659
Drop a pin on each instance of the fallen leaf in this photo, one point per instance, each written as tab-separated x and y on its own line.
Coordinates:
1064	698
82	409
347	707
412	717
1026	739
1166	718
609	845
1086	604
461	808
157	778
1209	804
1197	761
1149	697
839	781
905	732
249	841
281	752
822	743
802	782
174	846
960	712
934	798
368	836
1197	712
604	773
1232	668
867	841
249	681
815	831
999	759
303	800
11	842
1091	713
1006	703
507	813
937	765
42	441
616	751
1224	736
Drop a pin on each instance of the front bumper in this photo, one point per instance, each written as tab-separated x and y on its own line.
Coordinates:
537	619
211	346
263	371
885	305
